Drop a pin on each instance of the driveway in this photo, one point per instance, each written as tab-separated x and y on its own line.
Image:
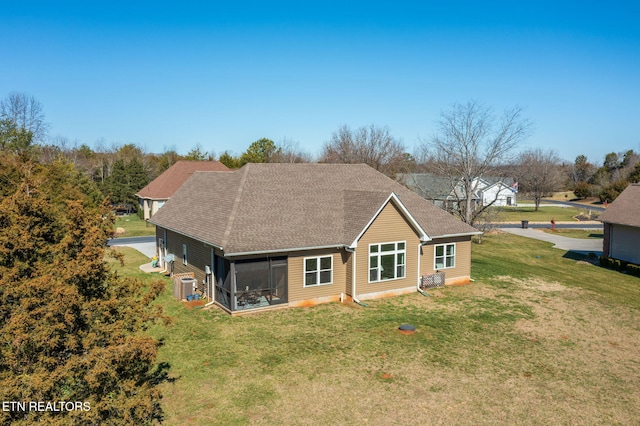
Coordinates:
582	245
145	245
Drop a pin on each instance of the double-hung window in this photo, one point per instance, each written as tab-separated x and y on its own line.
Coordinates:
387	261
445	256
318	270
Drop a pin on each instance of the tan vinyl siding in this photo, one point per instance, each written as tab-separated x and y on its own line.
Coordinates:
389	226
295	264
462	270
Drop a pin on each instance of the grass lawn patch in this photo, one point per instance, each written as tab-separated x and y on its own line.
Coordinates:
538	338
132	226
544	214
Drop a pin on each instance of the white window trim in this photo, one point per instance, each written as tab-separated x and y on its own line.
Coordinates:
185	260
395	261
317	271
444	257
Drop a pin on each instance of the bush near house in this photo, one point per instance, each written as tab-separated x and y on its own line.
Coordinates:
633	270
620	265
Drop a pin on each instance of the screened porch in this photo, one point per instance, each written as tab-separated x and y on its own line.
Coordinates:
251	284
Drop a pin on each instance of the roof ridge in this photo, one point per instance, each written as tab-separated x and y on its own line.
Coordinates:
236	203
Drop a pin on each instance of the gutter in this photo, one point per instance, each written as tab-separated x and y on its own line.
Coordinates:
419	277
457	235
188	235
285	250
353	277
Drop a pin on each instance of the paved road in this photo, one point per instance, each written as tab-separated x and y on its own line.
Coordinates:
145	245
581	245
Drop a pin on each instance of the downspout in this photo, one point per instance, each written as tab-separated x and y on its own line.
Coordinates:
353	277
419	277
211	277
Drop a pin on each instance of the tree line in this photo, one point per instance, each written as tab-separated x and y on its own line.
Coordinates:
471	141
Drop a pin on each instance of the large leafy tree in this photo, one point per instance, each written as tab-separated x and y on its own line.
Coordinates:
70	329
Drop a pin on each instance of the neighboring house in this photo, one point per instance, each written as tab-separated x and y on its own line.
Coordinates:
154	195
300	234
500	192
446	194
621	222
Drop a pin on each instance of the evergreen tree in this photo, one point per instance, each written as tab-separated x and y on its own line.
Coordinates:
71	330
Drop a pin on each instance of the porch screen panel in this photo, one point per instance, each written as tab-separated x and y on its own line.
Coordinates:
278	284
223	281
252	275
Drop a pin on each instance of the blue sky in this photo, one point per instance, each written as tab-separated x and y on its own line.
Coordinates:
168	75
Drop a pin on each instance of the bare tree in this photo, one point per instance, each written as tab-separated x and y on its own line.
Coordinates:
27	113
470	143
288	151
371	145
539	173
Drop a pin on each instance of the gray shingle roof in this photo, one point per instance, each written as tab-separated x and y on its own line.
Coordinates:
271	207
625	210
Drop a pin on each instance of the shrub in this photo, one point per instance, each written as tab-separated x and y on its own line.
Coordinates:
633	270
617	265
583	190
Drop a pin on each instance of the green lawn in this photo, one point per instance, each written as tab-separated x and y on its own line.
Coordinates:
538	338
133	226
544	214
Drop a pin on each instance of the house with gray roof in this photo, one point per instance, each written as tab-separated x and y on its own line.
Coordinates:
621	222
271	235
447	193
158	191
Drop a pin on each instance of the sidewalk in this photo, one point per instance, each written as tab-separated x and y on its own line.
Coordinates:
564	243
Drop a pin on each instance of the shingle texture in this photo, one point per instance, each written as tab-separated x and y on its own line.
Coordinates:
270	207
625	210
163	187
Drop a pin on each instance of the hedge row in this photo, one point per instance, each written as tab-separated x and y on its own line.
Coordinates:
620	265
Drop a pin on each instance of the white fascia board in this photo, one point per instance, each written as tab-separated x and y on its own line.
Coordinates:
423	235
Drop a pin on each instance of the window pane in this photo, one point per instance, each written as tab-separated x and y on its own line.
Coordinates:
450	262
373	274
310	278
388	247
373	262
325	263
439	251
400	246
325	277
373	249
400	258
450	249
388	267
311	264
400	273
